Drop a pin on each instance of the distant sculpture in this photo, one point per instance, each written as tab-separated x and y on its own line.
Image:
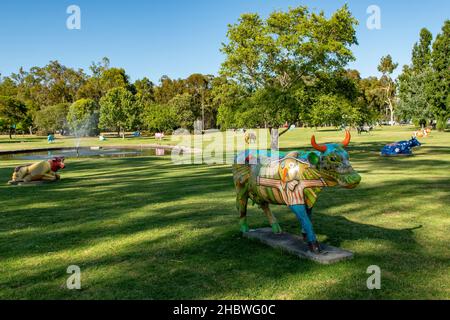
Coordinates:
159	135
50	138
401	148
40	171
364	128
294	179
422	133
250	138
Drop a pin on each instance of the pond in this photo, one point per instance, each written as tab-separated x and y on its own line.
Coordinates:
86	153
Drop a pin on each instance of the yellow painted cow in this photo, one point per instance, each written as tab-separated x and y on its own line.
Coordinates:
40	171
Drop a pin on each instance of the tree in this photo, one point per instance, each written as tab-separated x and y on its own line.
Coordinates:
182	105
168	89
52	118
92	89
287	51
333	110
160	118
387	67
421	53
102	80
228	97
49	85
114	78
119	110
145	91
414	99
199	87
8	87
83	117
12	112
440	83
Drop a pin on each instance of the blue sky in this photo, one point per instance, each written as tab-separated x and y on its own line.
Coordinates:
180	37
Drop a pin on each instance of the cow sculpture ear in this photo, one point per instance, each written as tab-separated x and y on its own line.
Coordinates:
313	158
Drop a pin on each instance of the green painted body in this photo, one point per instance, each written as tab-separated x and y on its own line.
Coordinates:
296	178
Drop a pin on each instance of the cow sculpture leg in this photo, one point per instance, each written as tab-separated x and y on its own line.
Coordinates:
272	219
302	215
241	205
309	213
50	177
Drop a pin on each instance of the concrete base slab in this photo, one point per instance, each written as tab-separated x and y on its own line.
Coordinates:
295	245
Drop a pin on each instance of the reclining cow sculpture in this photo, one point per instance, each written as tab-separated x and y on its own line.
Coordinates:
401	148
40	171
294	179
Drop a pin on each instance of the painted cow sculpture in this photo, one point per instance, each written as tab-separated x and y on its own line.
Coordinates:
40	171
294	179
401	148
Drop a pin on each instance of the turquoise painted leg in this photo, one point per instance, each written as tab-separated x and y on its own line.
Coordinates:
309	213
302	216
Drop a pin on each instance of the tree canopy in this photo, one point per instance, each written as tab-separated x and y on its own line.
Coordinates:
12	112
83	117
424	85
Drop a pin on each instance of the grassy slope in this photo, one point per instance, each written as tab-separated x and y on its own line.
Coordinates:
144	228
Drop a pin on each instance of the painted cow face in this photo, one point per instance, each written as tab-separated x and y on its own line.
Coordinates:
415	142
334	163
57	163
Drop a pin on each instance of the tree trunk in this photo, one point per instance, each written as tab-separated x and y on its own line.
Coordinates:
391	110
10	133
274	139
390	104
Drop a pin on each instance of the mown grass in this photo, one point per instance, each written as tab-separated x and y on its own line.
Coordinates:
21	142
144	228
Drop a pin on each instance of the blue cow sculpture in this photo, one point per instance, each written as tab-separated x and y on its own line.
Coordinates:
401	148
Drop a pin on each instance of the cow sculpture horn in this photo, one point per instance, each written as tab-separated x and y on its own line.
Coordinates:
347	139
321	148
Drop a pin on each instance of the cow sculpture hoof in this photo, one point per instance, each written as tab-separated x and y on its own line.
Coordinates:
305	237
276	229
244	226
314	247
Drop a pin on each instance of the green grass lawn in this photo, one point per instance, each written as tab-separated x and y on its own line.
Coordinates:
20	142
143	228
